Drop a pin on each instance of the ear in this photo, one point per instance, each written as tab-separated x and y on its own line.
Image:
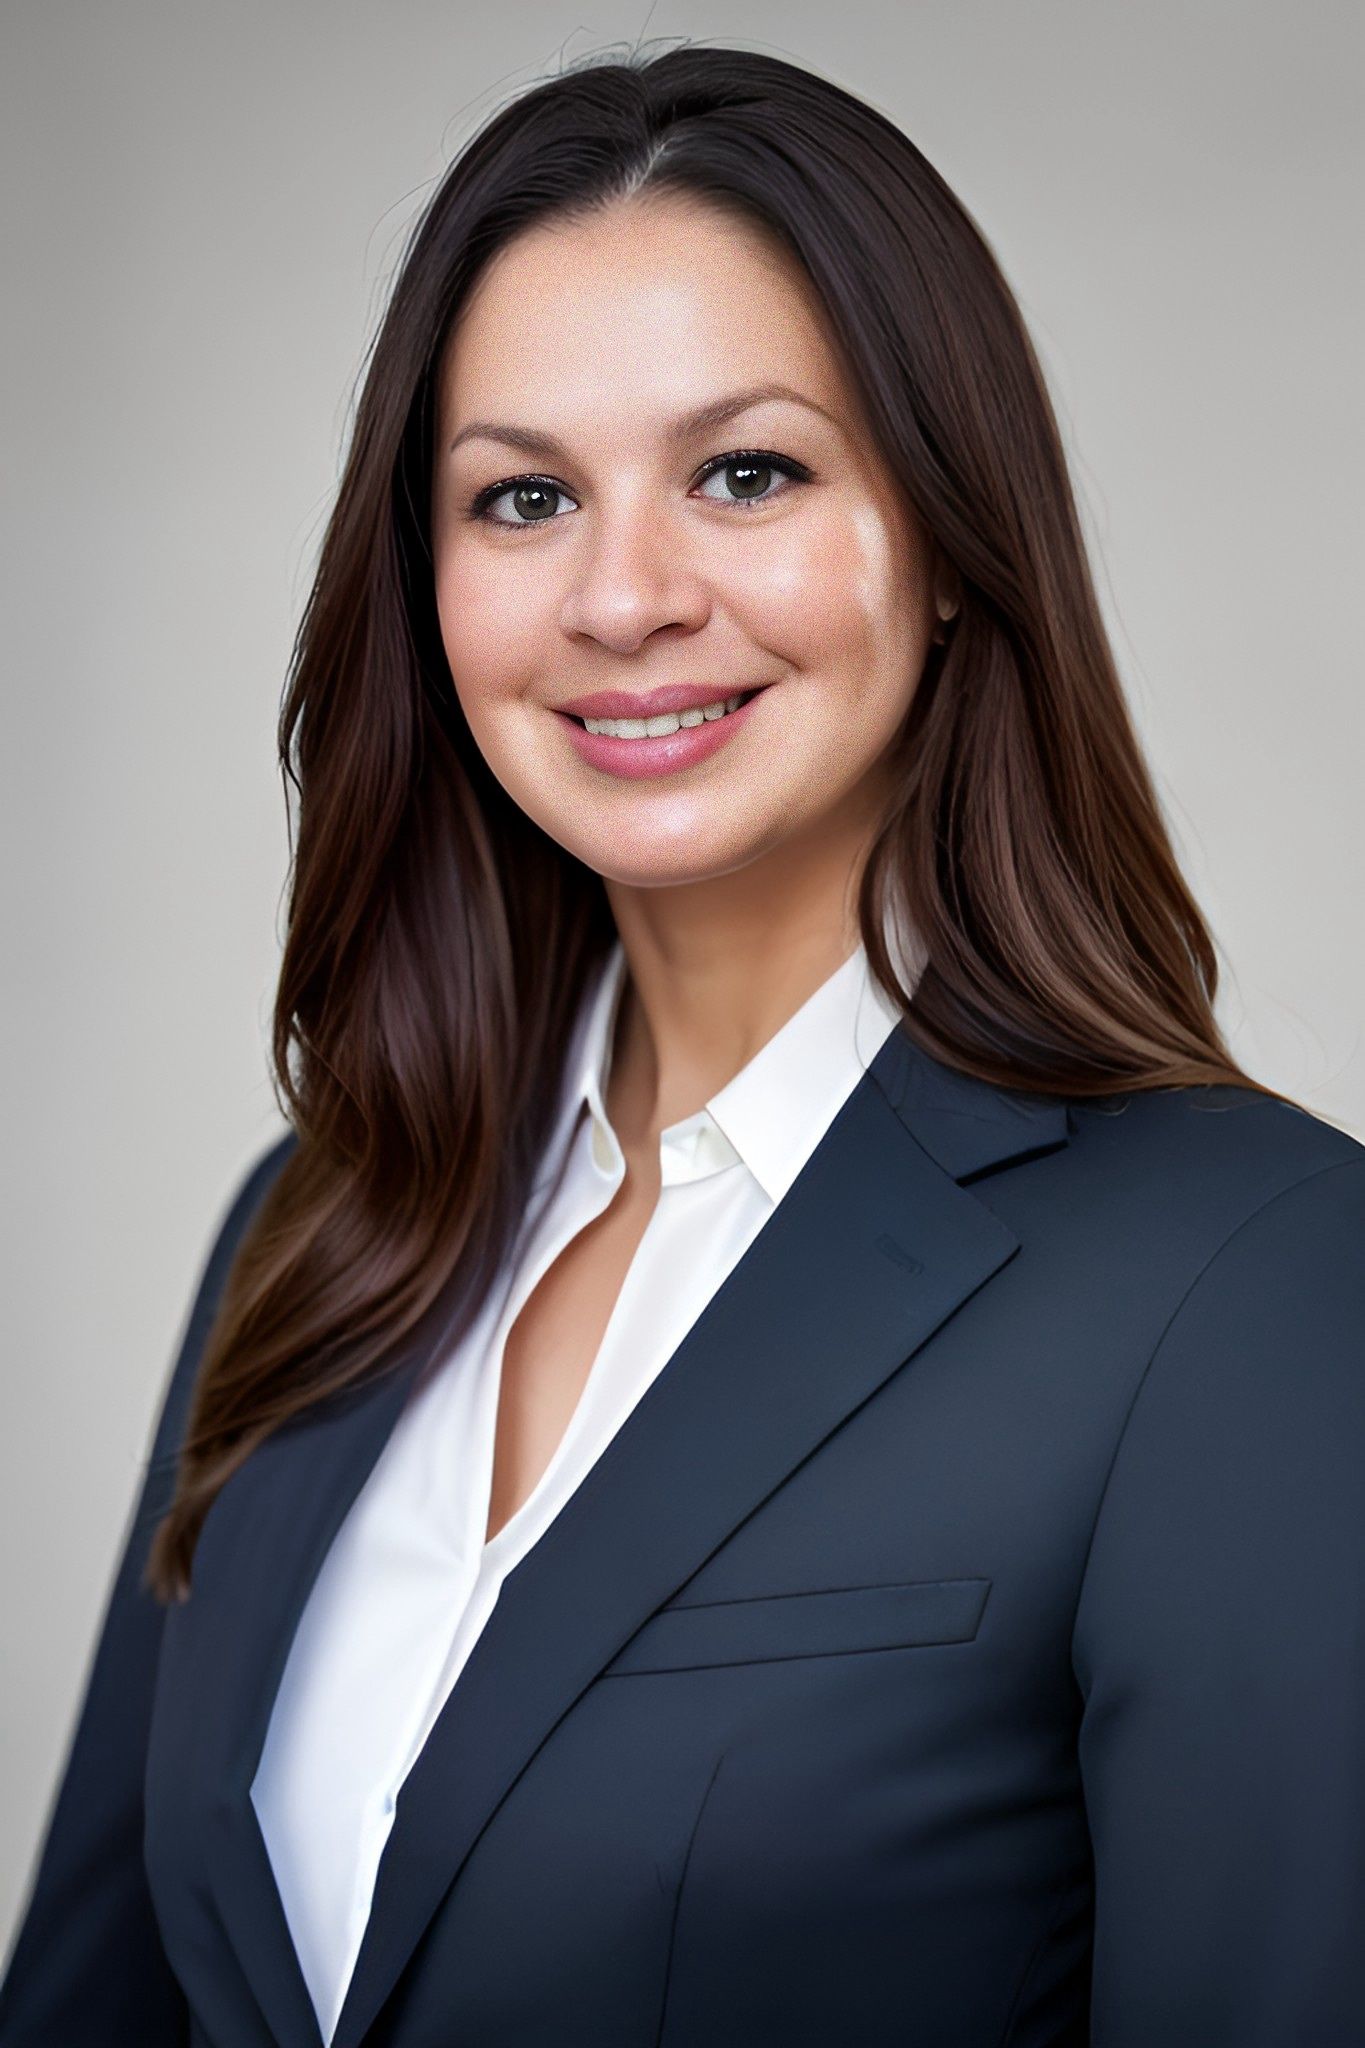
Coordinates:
947	594
947	587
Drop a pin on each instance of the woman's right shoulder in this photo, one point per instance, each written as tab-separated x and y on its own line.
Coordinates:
244	1199
251	1187
261	1173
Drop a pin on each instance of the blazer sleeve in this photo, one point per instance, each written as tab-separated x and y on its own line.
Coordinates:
87	1968
1220	1650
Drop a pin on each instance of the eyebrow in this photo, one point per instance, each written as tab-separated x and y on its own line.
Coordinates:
686	427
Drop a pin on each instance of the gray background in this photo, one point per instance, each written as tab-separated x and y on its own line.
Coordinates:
202	209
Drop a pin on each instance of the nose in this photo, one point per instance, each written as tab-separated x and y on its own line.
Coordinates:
633	575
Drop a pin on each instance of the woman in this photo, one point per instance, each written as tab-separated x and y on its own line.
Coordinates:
773	1457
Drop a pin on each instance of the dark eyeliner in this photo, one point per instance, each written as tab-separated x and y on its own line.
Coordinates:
486	496
764	458
759	458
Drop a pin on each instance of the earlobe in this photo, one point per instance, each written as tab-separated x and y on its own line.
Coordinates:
947	594
946	605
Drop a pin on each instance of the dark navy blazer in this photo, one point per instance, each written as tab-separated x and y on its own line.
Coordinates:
961	1645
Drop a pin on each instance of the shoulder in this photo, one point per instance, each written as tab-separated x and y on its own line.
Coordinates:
1257	1216
1210	1158
1228	1128
243	1198
239	1207
265	1165
242	1201
1234	1486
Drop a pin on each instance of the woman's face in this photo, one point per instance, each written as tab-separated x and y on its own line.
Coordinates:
589	536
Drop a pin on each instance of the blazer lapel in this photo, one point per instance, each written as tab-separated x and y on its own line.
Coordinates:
874	1246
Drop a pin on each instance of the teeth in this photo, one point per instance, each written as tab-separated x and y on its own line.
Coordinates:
668	721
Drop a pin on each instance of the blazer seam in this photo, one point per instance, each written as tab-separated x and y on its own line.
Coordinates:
1334	1166
1070	1890
677	1899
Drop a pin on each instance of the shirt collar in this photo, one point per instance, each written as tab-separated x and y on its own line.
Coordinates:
772	1113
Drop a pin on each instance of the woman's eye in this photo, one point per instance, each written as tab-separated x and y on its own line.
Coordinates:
747	476
533	501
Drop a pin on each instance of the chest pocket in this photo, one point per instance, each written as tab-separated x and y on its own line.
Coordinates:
760	1630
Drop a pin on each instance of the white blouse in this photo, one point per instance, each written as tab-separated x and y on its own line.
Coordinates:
409	1582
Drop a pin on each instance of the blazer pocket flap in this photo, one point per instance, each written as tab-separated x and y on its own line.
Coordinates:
756	1631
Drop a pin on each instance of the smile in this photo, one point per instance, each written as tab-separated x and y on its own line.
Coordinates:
669	743
666	721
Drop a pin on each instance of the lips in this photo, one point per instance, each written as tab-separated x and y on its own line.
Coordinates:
686	747
654	703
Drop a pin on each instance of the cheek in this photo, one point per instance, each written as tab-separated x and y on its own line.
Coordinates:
835	595
489	625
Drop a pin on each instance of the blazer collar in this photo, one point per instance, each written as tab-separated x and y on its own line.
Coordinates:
902	1244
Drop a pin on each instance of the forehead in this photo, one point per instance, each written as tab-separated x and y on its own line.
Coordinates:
651	304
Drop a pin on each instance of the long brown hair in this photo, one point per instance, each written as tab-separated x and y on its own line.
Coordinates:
439	942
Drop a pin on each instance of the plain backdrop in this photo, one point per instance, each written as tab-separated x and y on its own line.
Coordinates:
202	211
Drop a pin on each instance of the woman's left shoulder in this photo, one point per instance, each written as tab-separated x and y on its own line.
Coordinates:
1270	1317
1231	1148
